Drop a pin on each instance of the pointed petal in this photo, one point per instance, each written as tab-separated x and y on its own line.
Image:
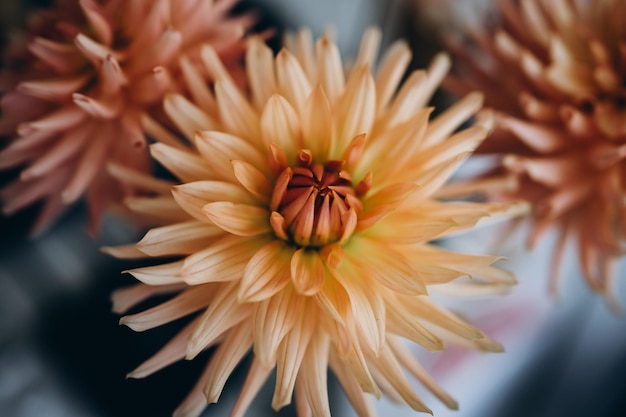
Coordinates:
390	370
223	260
223	361
330	69
220	148
178	239
193	196
260	70
126	298
172	352
290	354
187	166
189	301
356	109
188	117
252	180
267	272
293	83
361	403
238	219
307	272
236	114
317	124
313	375
274	317
257	375
222	314
407	360
162	274
280	125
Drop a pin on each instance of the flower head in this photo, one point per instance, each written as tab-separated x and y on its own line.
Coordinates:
556	74
303	222
83	96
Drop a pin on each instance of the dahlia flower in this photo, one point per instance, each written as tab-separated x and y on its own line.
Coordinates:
302	224
83	97
555	72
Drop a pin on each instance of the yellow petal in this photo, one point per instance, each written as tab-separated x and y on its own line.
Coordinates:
293	83
252	180
239	219
162	274
355	110
289	357
164	208
224	260
171	352
236	114
257	375
198	88
313	375
368	50
123	251
220	148
267	272
389	368
317	124
281	125
361	402
390	72
407	360
380	262
223	361
125	298
402	323
178	239
188	167
222	314
307	271
193	196
273	318
448	121
260	71
367	304
330	69
186	115
189	301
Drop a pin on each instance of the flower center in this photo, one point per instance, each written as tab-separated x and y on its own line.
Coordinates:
315	204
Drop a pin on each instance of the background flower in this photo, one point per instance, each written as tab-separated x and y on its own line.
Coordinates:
303	220
555	72
85	93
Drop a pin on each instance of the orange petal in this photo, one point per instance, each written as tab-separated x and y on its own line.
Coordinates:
239	219
224	260
266	273
178	239
189	301
307	271
252	180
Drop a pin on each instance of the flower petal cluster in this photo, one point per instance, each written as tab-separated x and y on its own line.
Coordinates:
95	72
555	71
302	227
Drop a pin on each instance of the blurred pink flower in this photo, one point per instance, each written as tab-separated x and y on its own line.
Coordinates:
555	72
83	94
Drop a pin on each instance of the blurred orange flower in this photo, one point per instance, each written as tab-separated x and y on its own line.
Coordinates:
555	72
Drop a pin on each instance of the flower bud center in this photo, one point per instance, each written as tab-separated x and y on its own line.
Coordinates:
315	204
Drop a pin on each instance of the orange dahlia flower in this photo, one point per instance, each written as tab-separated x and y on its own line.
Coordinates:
82	98
555	71
303	221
